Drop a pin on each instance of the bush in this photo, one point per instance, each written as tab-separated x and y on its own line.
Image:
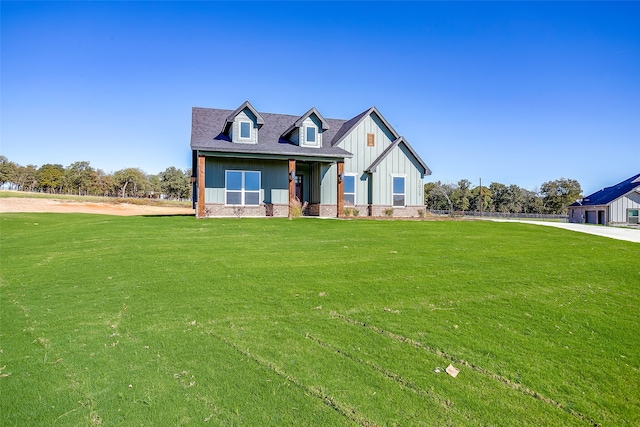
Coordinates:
388	212
422	213
351	212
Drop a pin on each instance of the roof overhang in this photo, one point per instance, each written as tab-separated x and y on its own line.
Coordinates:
271	156
425	169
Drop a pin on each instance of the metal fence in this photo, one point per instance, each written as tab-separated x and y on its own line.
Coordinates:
562	218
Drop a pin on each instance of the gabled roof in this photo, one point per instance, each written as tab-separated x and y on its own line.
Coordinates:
609	194
206	135
305	116
349	125
389	149
231	117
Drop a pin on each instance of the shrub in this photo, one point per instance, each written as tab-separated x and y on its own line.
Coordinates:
422	213
388	212
351	212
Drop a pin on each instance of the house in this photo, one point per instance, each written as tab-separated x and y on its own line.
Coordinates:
250	163
616	205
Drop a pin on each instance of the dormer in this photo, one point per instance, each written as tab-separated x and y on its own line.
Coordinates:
243	124
307	130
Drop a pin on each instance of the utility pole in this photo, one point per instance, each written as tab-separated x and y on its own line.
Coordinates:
481	201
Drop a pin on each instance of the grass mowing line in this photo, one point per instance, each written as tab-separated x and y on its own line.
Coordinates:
527	391
316	392
385	372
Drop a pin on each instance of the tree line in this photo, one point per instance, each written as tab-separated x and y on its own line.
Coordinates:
553	197
82	179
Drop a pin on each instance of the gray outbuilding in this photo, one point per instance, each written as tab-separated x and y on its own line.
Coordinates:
615	205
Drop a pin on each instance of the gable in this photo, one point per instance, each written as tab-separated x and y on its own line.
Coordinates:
368	154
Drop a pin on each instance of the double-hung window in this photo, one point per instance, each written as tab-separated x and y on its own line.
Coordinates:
349	190
632	216
242	188
398	194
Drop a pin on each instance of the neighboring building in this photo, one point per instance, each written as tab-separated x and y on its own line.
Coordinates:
248	163
616	205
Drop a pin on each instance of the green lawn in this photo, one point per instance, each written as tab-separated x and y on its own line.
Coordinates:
177	321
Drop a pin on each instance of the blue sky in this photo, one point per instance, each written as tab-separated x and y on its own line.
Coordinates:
513	92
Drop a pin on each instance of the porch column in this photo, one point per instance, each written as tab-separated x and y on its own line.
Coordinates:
292	184
340	189
200	207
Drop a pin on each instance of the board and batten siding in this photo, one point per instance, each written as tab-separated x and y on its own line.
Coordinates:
398	162
618	208
328	176
274	182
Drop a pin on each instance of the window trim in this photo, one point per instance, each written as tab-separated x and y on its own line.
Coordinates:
393	193
371	140
243	191
355	191
240	137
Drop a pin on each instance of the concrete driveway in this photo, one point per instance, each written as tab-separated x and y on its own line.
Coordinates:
619	233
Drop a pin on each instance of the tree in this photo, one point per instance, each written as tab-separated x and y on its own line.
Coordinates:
8	171
559	194
103	183
131	182
532	202
50	177
438	196
26	177
514	201
461	195
499	192
79	176
175	183
487	199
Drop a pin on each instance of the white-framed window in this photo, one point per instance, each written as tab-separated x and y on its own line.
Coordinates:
349	187
632	216
242	188
311	136
245	129
398	195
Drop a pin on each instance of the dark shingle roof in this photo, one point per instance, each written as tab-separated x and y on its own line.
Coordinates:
609	194
208	125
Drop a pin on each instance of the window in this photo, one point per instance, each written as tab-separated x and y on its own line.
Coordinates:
398	191
349	190
310	134
242	188
632	216
245	130
371	140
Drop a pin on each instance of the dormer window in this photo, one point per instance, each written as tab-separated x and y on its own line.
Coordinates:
242	125
245	130
307	130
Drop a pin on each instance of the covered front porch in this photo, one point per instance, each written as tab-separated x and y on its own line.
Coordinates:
260	186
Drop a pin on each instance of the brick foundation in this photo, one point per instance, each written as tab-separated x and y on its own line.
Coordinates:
216	210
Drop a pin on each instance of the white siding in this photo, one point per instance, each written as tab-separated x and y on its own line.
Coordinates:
618	208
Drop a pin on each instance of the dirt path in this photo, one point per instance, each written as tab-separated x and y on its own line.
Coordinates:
67	206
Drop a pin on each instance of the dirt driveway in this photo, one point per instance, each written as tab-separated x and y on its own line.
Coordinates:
67	206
